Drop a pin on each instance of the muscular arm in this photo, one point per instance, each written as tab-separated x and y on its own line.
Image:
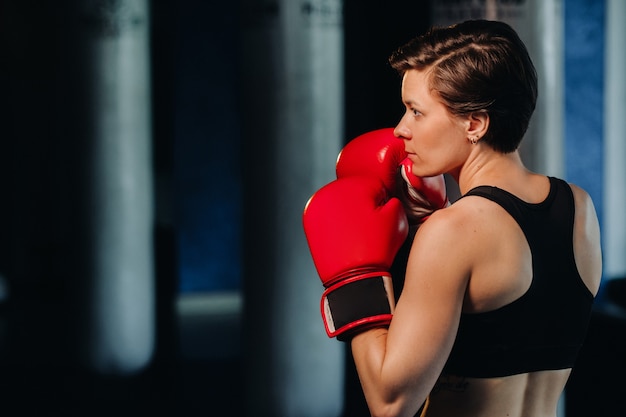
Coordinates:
398	367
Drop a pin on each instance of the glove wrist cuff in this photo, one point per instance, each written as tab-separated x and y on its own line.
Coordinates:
358	303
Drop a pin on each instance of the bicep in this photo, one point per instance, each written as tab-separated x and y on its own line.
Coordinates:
426	319
428	311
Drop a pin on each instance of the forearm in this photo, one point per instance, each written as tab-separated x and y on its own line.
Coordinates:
383	386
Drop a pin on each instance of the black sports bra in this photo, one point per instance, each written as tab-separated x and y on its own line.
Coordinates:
544	328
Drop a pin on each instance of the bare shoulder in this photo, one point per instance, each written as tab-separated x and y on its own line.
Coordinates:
582	200
587	248
439	246
465	215
459	231
586	219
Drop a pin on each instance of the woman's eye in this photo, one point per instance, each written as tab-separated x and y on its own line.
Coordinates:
415	112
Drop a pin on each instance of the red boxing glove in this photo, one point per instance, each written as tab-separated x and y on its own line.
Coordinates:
354	232
421	196
377	153
380	154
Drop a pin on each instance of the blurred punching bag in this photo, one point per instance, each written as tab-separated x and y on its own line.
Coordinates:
292	115
614	236
109	114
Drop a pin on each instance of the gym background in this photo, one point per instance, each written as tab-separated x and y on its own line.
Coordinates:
155	157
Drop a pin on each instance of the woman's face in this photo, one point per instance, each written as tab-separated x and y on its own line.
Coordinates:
436	140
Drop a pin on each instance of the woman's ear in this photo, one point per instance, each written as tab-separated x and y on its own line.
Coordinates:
478	124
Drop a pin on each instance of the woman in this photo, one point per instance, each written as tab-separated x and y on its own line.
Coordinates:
499	285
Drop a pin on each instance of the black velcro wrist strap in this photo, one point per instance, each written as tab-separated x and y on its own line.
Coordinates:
362	301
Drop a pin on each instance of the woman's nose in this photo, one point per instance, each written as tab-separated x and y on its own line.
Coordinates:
401	132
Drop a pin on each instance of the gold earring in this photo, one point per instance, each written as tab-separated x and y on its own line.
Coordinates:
473	141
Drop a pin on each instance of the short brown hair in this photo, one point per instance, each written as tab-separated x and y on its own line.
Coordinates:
478	65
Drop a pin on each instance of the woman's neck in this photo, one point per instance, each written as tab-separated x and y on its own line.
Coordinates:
488	167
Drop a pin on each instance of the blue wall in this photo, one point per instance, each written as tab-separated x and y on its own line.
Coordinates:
584	86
